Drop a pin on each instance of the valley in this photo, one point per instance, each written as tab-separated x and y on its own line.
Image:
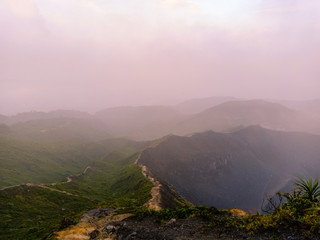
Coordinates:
56	166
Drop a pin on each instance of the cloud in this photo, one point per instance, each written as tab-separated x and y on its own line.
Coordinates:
178	4
22	8
99	53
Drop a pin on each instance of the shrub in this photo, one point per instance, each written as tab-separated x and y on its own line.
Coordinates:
308	189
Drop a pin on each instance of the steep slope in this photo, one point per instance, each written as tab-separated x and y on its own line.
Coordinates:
233	170
23	162
34	162
245	113
32	211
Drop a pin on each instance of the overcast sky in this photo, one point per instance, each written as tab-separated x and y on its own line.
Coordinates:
92	54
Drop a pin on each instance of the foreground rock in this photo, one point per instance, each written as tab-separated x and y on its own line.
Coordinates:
94	225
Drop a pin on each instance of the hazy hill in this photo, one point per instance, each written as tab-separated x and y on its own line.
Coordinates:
59	130
34	162
150	122
233	170
197	105
142	122
28	116
245	113
24	162
309	106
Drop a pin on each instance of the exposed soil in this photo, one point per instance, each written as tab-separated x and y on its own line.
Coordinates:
155	201
192	228
125	227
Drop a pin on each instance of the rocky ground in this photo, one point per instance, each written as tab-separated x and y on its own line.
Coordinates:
104	224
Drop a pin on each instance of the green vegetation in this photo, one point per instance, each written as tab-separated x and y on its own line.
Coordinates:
298	213
308	189
25	161
115	181
34	213
207	213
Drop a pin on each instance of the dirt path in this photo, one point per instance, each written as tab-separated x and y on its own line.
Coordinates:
40	186
49	188
155	201
46	186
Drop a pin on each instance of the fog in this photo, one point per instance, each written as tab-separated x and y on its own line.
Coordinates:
92	54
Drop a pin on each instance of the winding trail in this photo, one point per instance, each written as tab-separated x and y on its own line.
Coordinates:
46	186
155	201
40	186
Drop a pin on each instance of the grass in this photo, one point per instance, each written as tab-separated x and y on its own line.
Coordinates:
33	212
23	162
33	162
115	181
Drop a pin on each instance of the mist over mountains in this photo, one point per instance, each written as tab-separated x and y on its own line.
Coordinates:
146	105
220	151
150	122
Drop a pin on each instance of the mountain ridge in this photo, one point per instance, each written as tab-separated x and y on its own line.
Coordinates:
241	166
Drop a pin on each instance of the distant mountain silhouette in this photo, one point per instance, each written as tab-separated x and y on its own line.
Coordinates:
150	122
197	105
245	113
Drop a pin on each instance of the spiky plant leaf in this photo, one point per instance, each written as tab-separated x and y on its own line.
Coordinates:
308	188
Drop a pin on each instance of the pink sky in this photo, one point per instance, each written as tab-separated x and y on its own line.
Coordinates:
91	54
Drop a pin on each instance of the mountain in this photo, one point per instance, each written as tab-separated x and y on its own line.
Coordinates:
35	211
197	105
245	113
309	106
29	116
233	170
57	184
142	122
151	122
34	162
59	130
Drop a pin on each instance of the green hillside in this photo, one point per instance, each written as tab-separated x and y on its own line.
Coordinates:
23	161
32	212
115	180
